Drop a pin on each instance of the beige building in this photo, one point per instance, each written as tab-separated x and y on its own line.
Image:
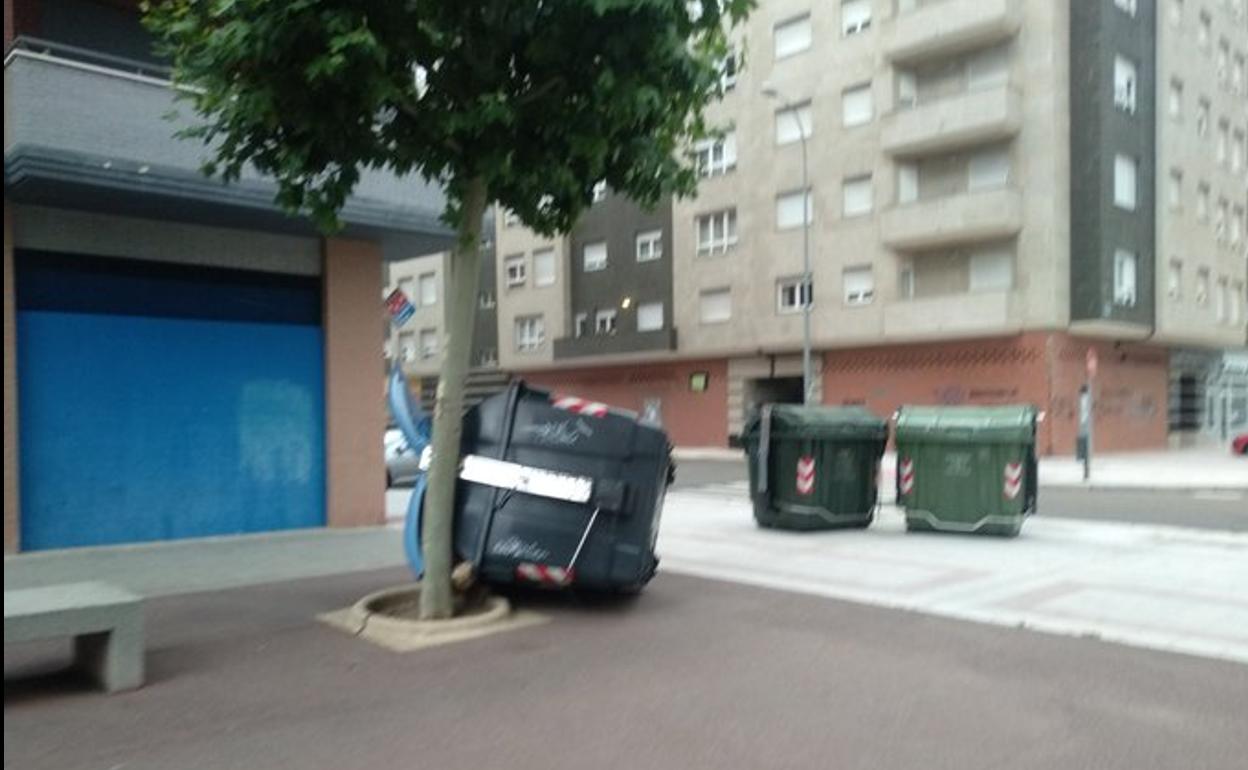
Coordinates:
419	343
999	190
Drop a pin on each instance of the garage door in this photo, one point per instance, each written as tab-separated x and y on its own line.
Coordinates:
161	401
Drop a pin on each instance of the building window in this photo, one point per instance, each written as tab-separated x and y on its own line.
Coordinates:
1124	278
487	357
1124	182
728	71
530	333
1202	117
905	281
650	316
907	88
1224	142
1238	145
792	295
486	300
856	105
649	245
600	192
581	325
510	219
407	346
1222	299
789	209
1224	62
992	270
988	170
516	270
1174	280
1175	191
1239	74
716	156
1222	213
855	16
715	306
1205	31
857	196
793	123
717	232
1237	225
988	68
859	285
406	286
604	321
544	267
1176	12
1202	202
1237	297
594	256
1124	84
792	36
428	289
428	343
1126	6
1202	286
907	183
1176	99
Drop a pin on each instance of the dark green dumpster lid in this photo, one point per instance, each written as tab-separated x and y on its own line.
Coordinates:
967	423
796	421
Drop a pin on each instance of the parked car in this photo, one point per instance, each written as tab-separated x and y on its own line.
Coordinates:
1240	445
402	464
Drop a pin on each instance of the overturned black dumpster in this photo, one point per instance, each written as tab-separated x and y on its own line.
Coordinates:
560	492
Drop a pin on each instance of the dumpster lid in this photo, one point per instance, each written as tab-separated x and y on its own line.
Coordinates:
798	421
973	423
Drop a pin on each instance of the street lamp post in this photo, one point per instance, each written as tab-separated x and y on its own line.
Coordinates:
806	292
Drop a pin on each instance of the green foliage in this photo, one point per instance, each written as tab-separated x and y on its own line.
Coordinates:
540	99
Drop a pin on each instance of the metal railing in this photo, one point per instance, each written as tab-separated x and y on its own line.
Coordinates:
73	53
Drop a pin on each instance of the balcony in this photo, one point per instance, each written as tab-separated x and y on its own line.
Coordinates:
951	315
950	26
970	118
955	219
89	130
612	344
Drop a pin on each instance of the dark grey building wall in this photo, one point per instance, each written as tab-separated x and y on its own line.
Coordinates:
485	329
1099	131
618	220
97	26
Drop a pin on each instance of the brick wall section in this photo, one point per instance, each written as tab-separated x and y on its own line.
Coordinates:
11	500
1037	368
691	419
355	418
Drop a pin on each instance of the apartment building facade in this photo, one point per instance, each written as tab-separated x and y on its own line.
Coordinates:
987	208
181	357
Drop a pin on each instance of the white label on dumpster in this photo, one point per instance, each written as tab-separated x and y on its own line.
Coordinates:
526	479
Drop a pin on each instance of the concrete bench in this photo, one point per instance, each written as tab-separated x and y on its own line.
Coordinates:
106	623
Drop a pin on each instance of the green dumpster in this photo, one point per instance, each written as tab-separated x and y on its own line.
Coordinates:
814	467
966	469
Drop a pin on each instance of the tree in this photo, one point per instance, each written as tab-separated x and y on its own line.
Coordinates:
529	103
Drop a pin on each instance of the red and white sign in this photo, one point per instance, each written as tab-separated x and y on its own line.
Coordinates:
555	577
579	405
1013	480
905	475
1092	363
805	475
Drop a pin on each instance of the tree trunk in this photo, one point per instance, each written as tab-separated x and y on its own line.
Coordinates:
461	298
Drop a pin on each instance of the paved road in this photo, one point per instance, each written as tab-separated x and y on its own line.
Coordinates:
1203	510
693	674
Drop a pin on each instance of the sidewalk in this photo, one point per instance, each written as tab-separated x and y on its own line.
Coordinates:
1161	587
214	563
1198	469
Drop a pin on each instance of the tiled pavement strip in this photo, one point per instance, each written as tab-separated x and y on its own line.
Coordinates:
1166	588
